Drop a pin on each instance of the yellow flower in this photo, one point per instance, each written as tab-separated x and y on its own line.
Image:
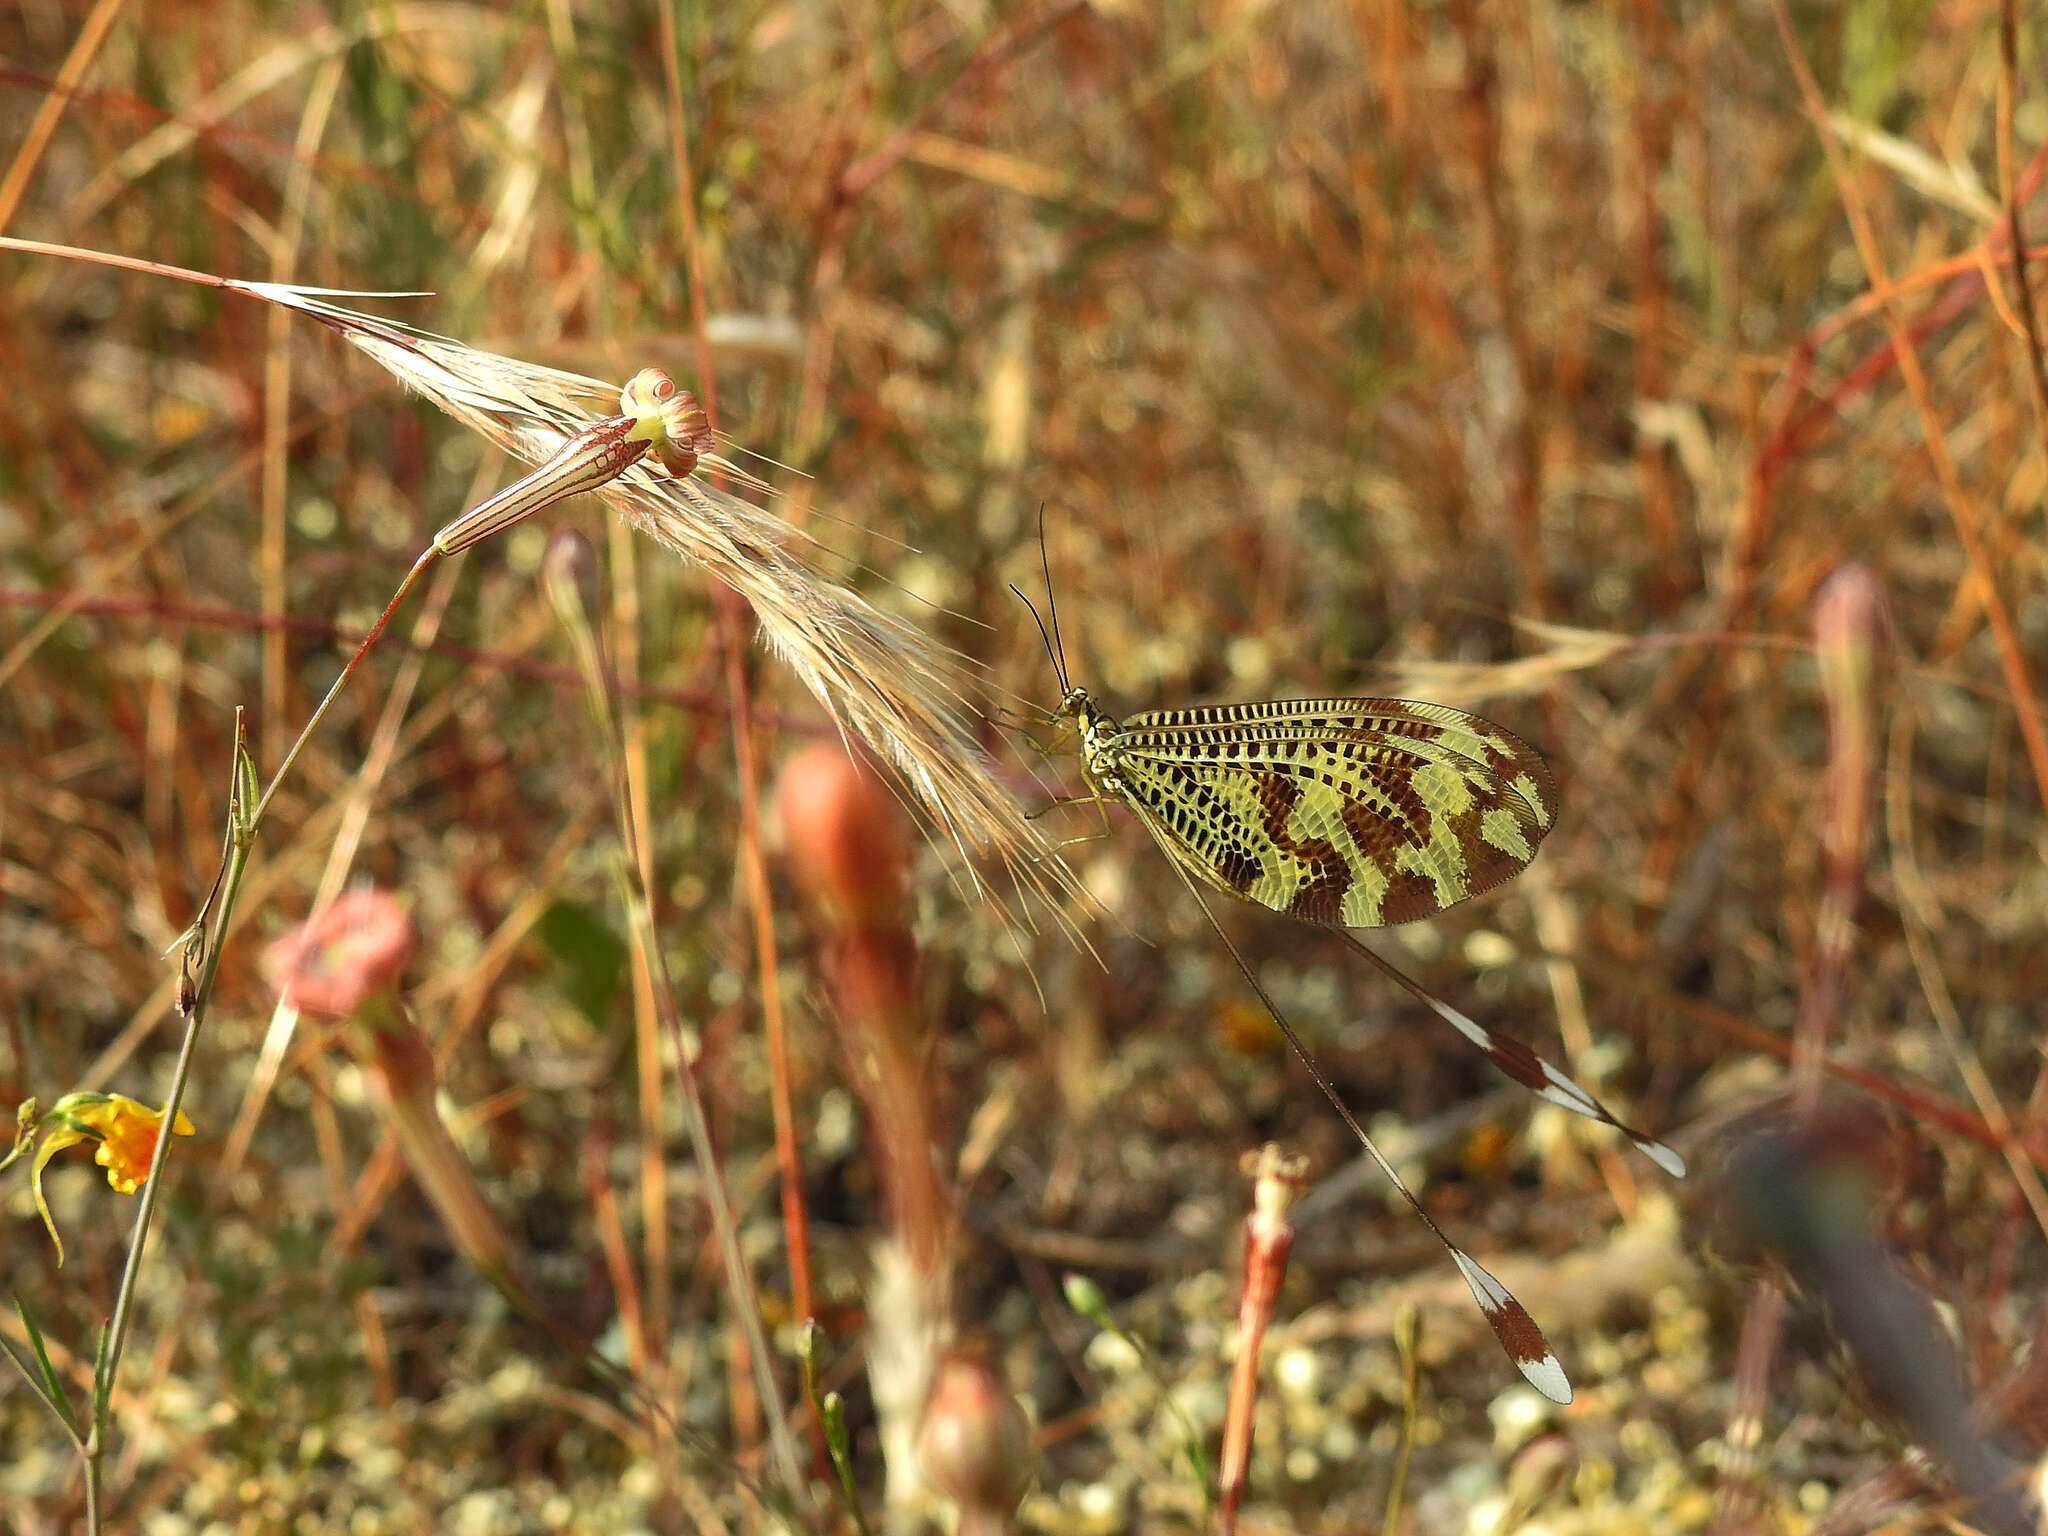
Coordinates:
124	1130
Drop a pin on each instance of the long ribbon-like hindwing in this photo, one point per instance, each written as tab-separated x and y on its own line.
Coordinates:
1350	813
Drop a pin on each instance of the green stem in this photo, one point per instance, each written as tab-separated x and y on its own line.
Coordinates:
594	456
419	569
240	841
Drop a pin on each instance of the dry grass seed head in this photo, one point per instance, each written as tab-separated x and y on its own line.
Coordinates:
880	679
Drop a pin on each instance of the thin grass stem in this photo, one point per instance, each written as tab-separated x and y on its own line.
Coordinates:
312	724
559	579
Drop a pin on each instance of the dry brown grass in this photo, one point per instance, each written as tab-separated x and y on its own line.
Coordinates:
1341	344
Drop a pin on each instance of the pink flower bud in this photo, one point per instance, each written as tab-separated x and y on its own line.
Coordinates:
844	836
344	954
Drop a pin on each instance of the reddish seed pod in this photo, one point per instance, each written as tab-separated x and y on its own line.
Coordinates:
975	1443
1277	1179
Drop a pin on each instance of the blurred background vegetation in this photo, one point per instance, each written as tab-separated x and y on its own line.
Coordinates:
1519	356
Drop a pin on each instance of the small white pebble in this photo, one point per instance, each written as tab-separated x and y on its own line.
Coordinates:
1112	1354
316	518
834	1129
1488	1516
1517	1414
1485	949
1203	1402
641	1481
1424	940
1340	1442
1250	661
1099	1501
515	1381
1298	1372
347	1080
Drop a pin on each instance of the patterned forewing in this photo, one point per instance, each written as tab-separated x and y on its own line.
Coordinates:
1347	812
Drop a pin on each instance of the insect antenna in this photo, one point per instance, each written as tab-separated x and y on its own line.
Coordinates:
1509	1319
1059	666
1052	603
1519	1064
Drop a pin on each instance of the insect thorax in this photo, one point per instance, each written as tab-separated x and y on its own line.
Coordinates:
1097	730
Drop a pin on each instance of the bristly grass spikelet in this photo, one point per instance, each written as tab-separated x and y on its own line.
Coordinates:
1348	813
880	679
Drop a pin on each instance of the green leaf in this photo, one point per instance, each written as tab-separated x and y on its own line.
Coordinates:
1086	1298
102	1388
1880	41
592	956
49	1388
811	1351
248	794
832	1412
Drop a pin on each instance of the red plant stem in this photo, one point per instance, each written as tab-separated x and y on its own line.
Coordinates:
427	557
1268	1235
848	850
788	1164
1793	430
611	1237
1923	1107
1963	516
1848	616
2008	91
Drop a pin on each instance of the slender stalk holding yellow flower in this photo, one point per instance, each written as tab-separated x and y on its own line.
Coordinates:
879	678
123	1132
656	420
201	952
